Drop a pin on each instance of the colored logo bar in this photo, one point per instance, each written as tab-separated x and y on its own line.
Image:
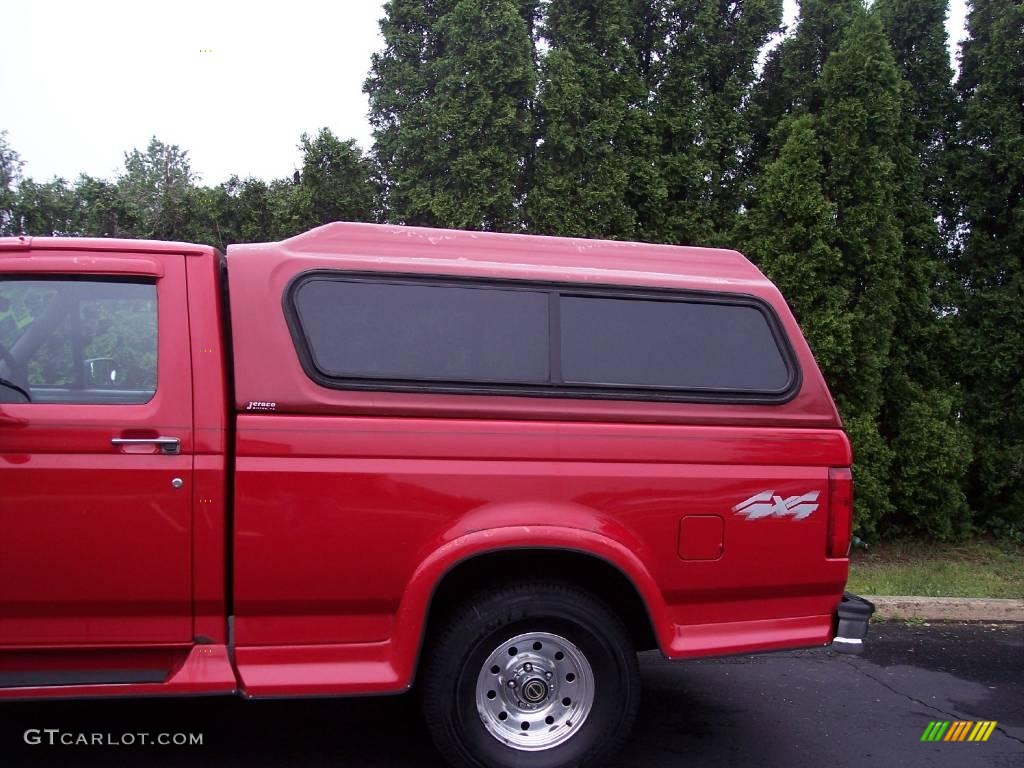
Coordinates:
958	730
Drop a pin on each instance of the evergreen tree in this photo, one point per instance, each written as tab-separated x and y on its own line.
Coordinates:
103	211
917	32
249	213
335	184
207	216
400	89
157	184
831	180
990	182
700	68
336	181
450	104
791	79
10	173
860	123
590	122
792	232
157	196
45	209
919	415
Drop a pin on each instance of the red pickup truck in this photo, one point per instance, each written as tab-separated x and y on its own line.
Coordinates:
371	457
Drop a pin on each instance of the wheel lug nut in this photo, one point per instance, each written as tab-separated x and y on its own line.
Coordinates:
547	675
528	667
511	683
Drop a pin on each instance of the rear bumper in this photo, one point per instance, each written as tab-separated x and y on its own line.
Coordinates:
852	616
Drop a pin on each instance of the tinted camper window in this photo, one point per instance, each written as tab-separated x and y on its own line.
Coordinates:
670	344
453	334
425	332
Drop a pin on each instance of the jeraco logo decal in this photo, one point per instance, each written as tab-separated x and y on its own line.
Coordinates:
767	504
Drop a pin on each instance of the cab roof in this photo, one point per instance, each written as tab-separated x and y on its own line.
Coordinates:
111	245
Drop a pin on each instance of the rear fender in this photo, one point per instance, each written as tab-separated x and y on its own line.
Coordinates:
411	619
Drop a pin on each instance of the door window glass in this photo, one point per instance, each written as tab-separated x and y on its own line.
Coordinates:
77	341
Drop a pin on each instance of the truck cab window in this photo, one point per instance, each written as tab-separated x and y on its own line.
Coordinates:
77	341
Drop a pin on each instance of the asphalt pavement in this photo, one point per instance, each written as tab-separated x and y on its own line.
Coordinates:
804	708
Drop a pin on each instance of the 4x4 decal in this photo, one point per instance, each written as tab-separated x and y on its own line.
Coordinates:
767	504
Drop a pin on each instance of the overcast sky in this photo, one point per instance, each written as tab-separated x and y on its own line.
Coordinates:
234	83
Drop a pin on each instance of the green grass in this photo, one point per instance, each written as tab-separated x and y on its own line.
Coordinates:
978	568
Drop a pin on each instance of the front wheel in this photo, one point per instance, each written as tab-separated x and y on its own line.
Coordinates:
533	676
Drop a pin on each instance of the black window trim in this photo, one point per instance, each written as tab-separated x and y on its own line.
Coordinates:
554	289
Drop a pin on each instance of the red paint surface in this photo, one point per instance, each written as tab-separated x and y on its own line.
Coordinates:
349	507
701	537
96	543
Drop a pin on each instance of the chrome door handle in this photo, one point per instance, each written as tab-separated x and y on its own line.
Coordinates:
169	445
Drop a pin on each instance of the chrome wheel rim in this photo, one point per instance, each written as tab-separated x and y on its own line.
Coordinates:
534	691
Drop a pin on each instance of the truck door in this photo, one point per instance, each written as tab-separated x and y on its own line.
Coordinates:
95	450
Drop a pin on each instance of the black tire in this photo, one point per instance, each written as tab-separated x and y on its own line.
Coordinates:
455	658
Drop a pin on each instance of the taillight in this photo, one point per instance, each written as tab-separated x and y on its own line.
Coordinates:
840	512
